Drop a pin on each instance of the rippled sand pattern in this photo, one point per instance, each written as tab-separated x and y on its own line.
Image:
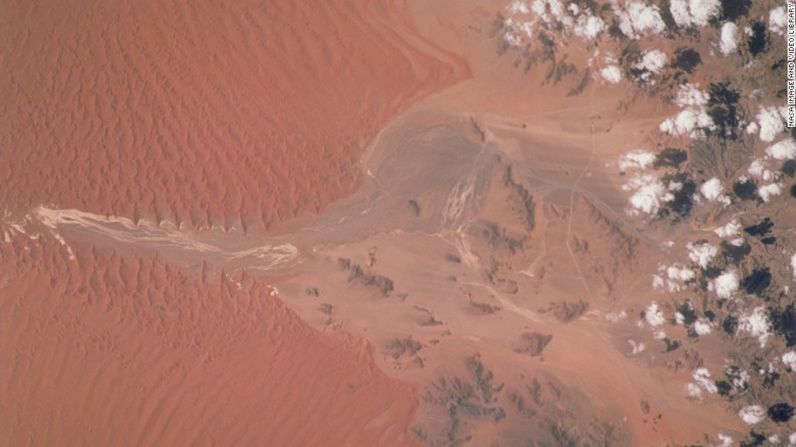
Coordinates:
200	112
110	350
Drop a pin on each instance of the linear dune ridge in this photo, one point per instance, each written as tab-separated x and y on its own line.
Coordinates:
114	350
201	114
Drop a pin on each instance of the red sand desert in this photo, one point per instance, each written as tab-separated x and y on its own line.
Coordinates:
398	223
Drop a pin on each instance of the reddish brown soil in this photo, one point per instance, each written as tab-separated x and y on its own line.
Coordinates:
107	350
201	112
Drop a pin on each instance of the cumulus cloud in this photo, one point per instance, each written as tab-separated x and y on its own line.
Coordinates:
778	20
612	74
649	194
701	253
758	169
756	324
728	230
636	159
793	264
782	150
752	414
702	327
651	62
728	44
789	359
770	120
724	285
589	27
691	95
691	122
702	378
688	13
672	278
711	189
653	315
769	191
636	348
637	18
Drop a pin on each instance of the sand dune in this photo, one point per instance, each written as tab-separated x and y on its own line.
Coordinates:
202	113
115	350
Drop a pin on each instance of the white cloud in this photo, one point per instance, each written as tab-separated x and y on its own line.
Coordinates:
688	122
759	170
702	327
653	315
778	20
789	359
673	277
793	264
725	284
771	123
638	18
711	189
612	74
636	159
688	13
729	39
756	324
701	253
728	230
649	193
652	61
752	414
518	7
589	27
768	192
690	95
702	378
782	150
724	440
637	348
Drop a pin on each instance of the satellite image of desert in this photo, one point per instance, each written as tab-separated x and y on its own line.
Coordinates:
429	223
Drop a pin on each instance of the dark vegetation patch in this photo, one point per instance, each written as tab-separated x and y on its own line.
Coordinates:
761	229
745	189
757	282
670	158
532	343
452	257
710	315
722	107
671	345
414	207
733	10
784	323
757	41
793	191
770	240
472	397
780	412
733	254
566	311
399	347
483	308
356	274
687	59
